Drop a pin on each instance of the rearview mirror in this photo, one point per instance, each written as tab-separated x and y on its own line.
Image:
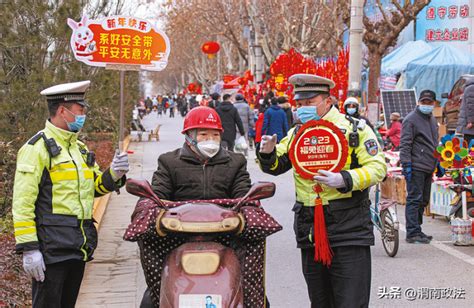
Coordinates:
258	191
141	188
445	95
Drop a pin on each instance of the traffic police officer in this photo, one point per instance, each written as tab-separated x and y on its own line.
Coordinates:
56	181
345	198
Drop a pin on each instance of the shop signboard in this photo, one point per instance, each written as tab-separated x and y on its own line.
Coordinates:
445	22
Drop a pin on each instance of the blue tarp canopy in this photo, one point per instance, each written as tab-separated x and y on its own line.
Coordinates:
439	69
397	61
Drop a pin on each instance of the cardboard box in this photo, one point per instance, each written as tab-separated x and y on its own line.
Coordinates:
400	190
386	188
442	130
438	112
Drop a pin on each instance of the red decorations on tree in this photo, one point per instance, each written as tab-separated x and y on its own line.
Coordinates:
194	88
337	69
210	48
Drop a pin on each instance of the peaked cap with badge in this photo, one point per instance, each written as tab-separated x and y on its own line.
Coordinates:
307	86
73	92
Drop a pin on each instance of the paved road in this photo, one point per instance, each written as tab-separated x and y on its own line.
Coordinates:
115	279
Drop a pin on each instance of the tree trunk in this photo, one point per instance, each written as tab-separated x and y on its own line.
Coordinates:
375	60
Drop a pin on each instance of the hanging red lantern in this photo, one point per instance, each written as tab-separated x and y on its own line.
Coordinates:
210	48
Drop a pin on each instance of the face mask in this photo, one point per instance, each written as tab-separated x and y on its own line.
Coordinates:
426	109
78	123
307	113
209	147
351	111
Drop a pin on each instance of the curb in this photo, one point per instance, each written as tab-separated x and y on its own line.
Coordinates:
101	203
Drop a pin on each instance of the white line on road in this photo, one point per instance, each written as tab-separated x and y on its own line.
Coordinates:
441	246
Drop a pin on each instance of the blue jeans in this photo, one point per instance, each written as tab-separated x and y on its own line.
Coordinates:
418	196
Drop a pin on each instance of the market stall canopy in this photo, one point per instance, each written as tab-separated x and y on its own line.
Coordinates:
397	61
439	69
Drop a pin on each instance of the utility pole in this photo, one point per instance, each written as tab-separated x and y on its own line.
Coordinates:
355	44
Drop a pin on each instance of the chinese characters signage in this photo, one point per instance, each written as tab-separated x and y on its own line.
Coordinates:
319	145
119	40
444	21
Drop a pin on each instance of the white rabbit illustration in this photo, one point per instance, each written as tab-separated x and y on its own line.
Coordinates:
83	38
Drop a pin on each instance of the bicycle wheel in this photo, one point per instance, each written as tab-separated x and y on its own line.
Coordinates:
389	233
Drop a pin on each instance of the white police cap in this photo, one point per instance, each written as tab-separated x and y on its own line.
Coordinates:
73	92
309	85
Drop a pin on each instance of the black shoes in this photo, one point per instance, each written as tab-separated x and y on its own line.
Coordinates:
417	239
427	236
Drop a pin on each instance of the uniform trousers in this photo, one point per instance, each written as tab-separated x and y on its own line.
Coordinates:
61	285
346	283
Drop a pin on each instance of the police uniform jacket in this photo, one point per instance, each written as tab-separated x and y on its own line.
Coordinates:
53	197
346	210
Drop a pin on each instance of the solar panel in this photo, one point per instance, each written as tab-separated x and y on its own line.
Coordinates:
401	101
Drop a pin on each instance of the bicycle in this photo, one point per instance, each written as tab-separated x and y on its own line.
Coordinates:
384	217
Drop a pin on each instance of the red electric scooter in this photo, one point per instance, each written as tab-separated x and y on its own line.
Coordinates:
201	272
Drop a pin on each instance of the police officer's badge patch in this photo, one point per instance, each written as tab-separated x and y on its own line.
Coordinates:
372	147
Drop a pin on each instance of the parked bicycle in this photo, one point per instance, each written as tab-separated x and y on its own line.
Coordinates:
384	217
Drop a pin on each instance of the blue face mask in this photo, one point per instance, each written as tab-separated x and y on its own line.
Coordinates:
78	123
307	113
426	109
351	111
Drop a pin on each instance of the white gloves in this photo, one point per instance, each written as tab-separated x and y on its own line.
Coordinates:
268	143
119	166
33	264
330	179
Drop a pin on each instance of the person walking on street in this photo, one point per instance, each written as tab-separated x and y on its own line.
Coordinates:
246	115
214	103
345	280
230	120
172	106
466	114
275	121
418	142
56	180
286	107
352	108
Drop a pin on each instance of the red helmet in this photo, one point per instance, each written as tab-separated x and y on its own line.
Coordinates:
202	117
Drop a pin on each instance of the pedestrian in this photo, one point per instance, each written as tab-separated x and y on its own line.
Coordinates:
418	142
214	103
352	108
56	180
466	114
275	121
345	282
230	120
165	104
193	103
155	103
395	130
259	125
202	170
286	107
172	106
246	115
148	104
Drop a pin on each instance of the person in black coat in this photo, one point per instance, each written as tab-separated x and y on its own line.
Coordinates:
230	119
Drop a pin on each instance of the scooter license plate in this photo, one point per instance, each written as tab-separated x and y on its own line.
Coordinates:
200	301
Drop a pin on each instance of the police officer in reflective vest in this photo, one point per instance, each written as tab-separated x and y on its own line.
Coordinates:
345	281
56	181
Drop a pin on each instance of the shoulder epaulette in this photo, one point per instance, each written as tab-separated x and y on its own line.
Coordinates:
35	138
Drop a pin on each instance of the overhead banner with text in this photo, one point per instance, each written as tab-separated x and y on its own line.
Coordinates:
445	22
119	40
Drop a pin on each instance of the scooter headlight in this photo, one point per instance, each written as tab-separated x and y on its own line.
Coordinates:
200	263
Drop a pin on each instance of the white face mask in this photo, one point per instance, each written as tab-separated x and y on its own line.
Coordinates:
209	147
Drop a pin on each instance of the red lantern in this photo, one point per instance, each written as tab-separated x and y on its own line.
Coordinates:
210	48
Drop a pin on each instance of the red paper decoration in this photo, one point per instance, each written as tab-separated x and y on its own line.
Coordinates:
210	48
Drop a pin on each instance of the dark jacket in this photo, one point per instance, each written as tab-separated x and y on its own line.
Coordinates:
466	113
275	122
418	141
230	118
181	175
289	114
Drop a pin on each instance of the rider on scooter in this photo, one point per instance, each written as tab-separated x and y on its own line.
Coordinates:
200	169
